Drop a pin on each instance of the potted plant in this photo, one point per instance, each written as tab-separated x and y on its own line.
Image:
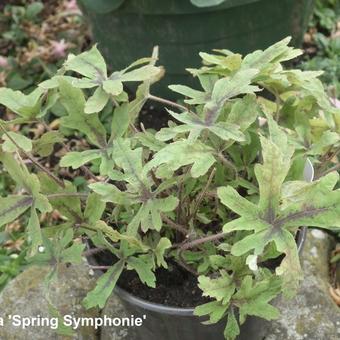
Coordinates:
200	218
183	28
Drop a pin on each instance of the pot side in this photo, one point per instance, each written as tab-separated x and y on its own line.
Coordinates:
131	29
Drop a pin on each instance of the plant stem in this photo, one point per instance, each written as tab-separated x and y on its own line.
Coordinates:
33	160
227	163
100	267
133	128
167	102
278	103
201	195
181	261
67	194
174	225
93	251
45	67
197	242
86	170
179	208
334	168
156	180
278	100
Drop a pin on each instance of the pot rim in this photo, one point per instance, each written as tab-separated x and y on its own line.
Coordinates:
176	7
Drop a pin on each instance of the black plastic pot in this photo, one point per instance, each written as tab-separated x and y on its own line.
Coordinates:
173	323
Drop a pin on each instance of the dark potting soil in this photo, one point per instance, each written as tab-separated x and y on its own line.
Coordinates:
154	116
175	286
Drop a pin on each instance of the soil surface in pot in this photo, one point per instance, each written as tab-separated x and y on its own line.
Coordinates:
175	286
154	117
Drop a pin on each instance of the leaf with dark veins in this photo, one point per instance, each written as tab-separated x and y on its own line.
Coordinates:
195	126
34	232
290	268
233	200
314	205
90	64
270	176
11	207
278	214
105	285
74	102
226	88
182	153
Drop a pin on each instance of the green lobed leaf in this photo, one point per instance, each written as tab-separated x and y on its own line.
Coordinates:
110	193
19	172
229	87
73	254
195	126
197	97
62	329
115	236
23	142
97	101
214	309
45	144
221	288
11	207
232	329
276	53
270	176
90	64
94	208
74	102
76	159
146	72
150	213
104	287
143	266
253	297
34	232
26	106
290	268
130	161
233	200
113	87
67	204
256	241
244	112
314	205
182	153
120	121
163	244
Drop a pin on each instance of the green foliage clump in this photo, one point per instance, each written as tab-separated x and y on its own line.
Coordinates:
220	191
